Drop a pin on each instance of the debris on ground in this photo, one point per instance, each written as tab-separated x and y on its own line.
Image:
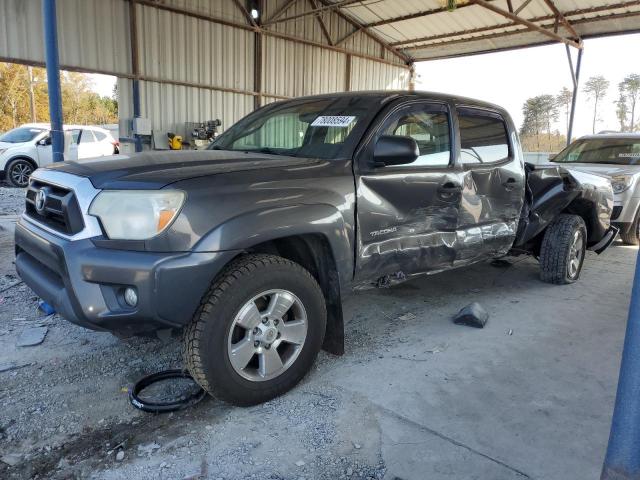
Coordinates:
11	459
32	336
473	315
120	456
46	308
8	366
406	316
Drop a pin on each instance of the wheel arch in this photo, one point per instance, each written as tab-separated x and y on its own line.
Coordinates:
22	156
314	236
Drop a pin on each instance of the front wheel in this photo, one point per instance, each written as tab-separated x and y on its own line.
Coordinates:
563	250
257	331
631	235
18	172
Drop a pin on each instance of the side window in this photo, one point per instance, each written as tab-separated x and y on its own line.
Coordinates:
75	135
99	135
428	125
483	137
87	137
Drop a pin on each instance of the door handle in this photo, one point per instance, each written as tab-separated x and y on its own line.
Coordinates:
450	187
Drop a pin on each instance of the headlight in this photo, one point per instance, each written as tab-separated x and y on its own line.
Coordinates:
620	183
136	214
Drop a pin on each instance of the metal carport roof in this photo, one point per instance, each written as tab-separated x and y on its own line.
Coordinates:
430	29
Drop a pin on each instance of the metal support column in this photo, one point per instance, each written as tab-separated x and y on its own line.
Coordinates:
575	76
135	68
623	453
50	25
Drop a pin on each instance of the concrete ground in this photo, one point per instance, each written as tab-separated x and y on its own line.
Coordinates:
414	397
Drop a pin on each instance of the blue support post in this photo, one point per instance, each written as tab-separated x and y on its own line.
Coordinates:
136	111
50	25
623	453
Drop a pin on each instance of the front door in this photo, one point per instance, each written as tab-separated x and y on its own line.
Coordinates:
44	151
493	184
407	214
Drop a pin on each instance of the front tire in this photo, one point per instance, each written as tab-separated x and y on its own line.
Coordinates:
18	172
258	330
563	250
631	235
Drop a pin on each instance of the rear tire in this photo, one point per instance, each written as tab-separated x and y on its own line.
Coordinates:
631	235
259	307
18	172
563	250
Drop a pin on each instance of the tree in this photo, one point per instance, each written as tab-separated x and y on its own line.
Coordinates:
564	100
539	114
631	87
622	109
596	88
80	104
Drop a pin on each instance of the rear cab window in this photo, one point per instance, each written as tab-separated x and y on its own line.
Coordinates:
484	138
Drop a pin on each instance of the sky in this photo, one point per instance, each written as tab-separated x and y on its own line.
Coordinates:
509	78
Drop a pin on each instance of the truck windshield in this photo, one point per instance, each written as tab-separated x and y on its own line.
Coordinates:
617	151
20	135
318	128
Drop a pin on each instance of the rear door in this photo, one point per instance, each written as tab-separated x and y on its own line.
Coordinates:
492	180
407	214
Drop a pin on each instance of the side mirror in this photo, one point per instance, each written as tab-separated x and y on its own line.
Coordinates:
44	142
395	150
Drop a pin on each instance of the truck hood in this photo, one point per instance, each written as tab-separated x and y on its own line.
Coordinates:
602	169
153	170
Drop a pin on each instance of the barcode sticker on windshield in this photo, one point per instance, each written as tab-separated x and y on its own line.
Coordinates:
342	121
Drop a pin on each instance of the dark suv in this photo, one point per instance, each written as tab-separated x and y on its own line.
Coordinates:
250	245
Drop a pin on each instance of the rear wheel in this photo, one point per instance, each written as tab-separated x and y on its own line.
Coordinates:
631	235
563	250
258	330
18	172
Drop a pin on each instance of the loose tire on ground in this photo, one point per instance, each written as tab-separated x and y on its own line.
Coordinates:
631	235
563	250
18	171
221	320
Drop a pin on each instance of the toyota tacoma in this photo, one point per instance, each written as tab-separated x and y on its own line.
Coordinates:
249	246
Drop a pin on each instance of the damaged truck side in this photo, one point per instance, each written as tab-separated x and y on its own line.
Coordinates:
249	246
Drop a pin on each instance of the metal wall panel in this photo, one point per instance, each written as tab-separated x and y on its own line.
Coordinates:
187	49
368	75
92	34
170	106
291	69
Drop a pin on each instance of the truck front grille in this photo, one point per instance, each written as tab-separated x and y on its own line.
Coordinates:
54	206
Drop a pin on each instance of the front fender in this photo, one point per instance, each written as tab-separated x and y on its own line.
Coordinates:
259	226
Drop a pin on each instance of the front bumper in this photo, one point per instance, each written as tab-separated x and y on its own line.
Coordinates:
85	283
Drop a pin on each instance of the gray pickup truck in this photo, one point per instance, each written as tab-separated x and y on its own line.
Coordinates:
249	246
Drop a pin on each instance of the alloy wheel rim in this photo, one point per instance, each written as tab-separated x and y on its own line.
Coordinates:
20	173
575	253
267	335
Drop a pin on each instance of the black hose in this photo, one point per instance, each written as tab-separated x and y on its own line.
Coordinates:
163	407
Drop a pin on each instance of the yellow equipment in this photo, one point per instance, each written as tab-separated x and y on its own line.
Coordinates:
175	141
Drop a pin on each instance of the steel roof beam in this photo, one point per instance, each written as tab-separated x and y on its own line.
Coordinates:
560	16
285	6
513	24
323	25
328	6
245	13
522	7
615	16
527	23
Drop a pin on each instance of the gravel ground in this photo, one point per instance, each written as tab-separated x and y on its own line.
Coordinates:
11	200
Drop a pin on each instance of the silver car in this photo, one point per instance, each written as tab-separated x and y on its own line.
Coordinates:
616	156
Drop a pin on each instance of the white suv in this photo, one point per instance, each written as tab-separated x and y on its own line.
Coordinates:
28	147
617	157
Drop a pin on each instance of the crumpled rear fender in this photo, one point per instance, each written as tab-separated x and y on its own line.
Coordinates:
552	190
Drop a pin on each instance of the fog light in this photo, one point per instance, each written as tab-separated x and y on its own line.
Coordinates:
131	296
